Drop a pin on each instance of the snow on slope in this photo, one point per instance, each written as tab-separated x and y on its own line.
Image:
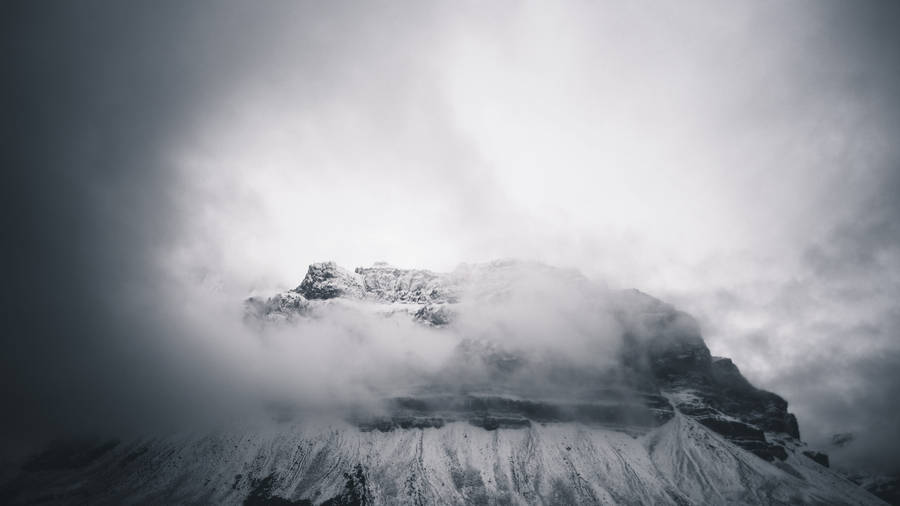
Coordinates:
680	463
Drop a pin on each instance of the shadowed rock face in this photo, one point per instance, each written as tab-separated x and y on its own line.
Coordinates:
819	457
327	281
666	344
491	412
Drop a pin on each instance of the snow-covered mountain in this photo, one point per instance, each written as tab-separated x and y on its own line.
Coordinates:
616	400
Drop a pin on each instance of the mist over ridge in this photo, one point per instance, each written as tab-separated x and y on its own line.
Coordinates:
164	162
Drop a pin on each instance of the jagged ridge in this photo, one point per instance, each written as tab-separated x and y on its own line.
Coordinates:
664	352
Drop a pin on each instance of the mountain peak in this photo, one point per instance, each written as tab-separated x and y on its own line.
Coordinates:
554	390
662	356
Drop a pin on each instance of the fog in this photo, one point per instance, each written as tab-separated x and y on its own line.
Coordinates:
165	162
350	351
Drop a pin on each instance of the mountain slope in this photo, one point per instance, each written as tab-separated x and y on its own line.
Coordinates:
681	462
557	391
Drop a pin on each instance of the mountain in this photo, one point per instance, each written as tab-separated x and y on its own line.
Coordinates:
887	487
557	390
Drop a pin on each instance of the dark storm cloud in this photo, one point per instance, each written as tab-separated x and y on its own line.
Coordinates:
96	98
93	93
857	263
857	268
825	333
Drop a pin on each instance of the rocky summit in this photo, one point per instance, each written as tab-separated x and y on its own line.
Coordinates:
663	364
558	390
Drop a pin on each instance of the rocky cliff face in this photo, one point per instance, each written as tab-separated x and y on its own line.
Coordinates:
655	420
664	361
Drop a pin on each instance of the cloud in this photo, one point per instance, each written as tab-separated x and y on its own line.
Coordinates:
737	161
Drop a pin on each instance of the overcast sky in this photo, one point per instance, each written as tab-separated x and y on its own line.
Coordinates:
739	160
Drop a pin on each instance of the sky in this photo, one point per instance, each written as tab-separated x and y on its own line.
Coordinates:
738	160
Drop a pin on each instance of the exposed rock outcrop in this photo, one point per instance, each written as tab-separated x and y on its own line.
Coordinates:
819	457
663	354
389	284
326	281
